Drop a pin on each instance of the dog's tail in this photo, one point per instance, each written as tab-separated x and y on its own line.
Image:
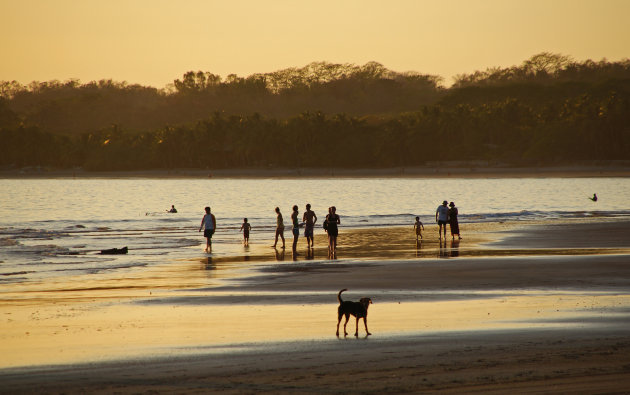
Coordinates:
339	295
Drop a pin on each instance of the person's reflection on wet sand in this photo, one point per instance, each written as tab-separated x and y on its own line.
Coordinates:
443	251
455	248
310	254
418	248
246	256
332	254
209	265
279	254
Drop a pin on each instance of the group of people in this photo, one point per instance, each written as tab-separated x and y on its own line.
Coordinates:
447	214
309	218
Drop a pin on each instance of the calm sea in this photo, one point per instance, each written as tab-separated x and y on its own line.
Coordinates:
55	227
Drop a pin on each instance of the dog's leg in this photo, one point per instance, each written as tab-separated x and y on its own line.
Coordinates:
356	328
345	332
339	315
366	329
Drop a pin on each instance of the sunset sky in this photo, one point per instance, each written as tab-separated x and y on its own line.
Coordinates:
153	42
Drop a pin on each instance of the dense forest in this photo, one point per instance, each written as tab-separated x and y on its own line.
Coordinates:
548	110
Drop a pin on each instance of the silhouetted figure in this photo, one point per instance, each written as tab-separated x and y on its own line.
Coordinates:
309	219
333	220
594	198
279	228
245	227
173	209
418	227
209	225
295	228
452	220
441	217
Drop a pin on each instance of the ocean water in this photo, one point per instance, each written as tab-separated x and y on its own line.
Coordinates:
56	227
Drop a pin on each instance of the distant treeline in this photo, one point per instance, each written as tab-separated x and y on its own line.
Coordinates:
548	110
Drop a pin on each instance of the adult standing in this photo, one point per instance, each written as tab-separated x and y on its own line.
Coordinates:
333	231
209	224
309	219
296	226
441	217
453	222
279	228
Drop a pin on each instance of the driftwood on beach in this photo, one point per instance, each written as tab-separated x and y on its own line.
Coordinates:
115	251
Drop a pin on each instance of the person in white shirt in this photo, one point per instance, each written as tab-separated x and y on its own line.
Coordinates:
209	224
441	217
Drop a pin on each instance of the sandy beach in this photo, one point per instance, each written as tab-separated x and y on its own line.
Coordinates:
524	307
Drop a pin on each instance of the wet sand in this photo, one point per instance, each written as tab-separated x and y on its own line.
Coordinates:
518	306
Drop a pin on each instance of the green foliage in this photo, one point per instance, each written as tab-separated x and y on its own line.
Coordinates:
548	110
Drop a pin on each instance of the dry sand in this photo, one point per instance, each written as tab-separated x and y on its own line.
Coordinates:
512	307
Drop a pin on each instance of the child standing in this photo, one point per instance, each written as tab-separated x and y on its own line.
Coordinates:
245	228
417	227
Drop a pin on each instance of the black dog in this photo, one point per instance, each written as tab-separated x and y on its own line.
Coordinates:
357	309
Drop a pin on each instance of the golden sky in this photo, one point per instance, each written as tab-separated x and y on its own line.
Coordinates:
153	42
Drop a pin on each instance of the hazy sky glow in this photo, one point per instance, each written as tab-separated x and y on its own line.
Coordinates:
153	42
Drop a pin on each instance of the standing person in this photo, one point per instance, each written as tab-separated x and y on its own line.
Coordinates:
246	227
279	228
333	220
296	226
417	227
209	224
452	220
441	217
309	219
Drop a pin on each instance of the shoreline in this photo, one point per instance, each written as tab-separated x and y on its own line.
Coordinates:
480	240
447	323
434	171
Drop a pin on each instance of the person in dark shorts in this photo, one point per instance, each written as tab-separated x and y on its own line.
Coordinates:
296	226
309	219
441	217
279	228
333	220
245	227
209	225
